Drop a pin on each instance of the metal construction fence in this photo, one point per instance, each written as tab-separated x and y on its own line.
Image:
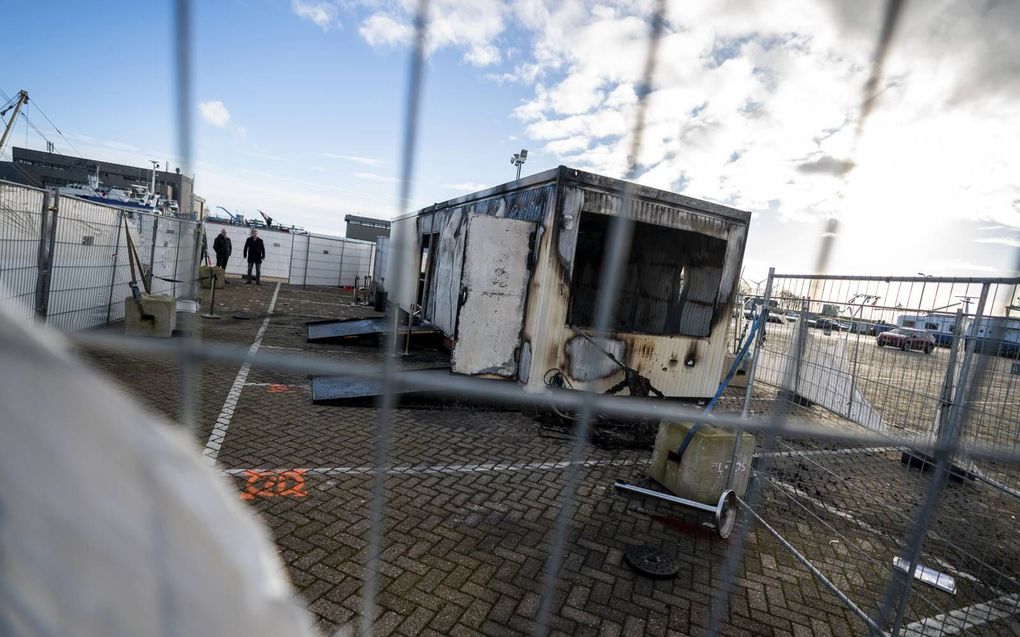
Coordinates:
65	260
300	258
933	361
884	474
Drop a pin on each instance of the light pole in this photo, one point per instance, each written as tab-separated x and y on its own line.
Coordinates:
920	301
155	166
518	160
966	300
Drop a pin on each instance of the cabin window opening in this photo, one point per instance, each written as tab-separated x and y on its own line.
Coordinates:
670	284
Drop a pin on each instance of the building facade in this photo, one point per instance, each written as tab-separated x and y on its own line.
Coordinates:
366	228
53	170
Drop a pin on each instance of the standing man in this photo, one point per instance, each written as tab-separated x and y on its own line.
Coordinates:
254	251
222	247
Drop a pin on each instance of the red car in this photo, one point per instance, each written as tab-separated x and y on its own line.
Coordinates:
905	338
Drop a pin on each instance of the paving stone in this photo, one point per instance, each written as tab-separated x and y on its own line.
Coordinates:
465	551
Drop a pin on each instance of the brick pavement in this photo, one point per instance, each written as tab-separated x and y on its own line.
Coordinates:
464	549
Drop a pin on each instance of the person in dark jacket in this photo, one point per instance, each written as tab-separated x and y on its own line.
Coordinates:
254	252
222	247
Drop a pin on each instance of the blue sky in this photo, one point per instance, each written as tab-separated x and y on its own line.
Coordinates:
298	111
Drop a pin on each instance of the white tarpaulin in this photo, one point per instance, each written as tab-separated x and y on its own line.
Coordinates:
112	523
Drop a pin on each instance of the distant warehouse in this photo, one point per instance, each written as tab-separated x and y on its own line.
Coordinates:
366	228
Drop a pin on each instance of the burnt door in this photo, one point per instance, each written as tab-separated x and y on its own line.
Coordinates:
494	283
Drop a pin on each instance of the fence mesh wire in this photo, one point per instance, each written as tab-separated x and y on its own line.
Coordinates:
905	453
83	249
21	211
892	356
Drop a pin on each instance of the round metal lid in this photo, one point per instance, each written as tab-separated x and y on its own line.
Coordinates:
651	562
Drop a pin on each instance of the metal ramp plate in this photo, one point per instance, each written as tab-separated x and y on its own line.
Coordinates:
338	390
321	331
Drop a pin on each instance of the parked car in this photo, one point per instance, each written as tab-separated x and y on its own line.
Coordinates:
870	328
907	339
826	323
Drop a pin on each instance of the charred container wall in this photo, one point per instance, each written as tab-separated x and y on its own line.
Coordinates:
515	292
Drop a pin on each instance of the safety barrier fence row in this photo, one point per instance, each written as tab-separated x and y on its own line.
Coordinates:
65	260
299	258
926	359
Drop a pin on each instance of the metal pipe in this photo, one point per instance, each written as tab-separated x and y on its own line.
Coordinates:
758	345
835	590
749	391
308	249
22	99
44	259
340	275
113	275
152	254
211	314
902	279
725	510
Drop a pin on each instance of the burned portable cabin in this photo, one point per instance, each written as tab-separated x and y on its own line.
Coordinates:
511	275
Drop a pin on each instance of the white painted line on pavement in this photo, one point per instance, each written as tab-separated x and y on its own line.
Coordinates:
957	621
219	430
447	469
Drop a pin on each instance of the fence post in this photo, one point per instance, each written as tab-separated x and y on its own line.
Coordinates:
47	241
193	289
177	257
113	275
340	276
152	250
946	395
945	450
857	357
308	250
759	341
290	261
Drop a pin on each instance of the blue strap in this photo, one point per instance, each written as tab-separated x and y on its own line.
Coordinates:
678	455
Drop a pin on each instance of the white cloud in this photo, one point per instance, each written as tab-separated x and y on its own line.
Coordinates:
467	186
471	25
321	13
755	103
368	161
376	177
1013	243
958	265
214	112
384	30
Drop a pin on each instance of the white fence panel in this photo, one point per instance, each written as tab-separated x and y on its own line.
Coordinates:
357	262
278	249
20	227
300	259
324	254
84	257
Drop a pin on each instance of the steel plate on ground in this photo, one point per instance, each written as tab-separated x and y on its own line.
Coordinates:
337	390
651	562
351	328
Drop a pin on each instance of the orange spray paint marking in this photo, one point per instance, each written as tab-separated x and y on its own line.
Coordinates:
272	484
281	389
